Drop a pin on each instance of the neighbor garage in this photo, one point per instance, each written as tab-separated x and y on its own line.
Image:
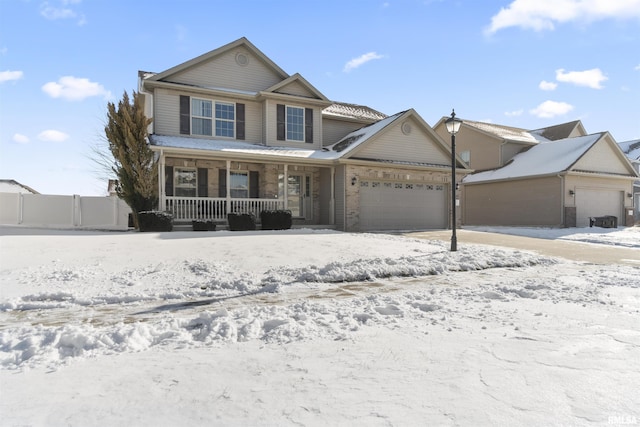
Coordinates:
598	202
392	205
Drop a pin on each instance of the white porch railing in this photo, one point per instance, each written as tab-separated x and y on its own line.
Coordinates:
215	208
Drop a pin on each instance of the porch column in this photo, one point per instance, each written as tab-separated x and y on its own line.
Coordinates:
332	199
286	186
161	187
228	195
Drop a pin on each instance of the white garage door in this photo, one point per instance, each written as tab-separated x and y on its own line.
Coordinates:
402	206
591	203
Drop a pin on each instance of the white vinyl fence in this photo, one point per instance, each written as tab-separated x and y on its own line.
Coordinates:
49	211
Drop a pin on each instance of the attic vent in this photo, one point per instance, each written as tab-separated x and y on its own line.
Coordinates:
242	59
406	128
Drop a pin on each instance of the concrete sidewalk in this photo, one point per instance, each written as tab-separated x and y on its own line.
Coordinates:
576	251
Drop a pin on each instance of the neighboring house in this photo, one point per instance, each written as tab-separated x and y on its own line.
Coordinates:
632	150
13	186
234	132
557	176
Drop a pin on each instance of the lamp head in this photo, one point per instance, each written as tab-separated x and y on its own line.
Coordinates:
453	124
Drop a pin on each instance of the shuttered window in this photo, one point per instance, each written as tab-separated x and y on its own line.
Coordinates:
294	123
211	118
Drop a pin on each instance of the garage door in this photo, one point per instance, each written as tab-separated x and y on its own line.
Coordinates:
402	206
590	203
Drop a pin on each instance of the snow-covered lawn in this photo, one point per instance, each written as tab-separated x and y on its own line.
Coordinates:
313	327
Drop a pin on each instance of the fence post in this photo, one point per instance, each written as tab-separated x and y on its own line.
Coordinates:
77	212
20	208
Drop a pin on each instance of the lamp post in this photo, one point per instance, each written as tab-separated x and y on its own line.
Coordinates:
453	126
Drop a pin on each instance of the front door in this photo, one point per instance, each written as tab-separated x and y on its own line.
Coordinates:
299	195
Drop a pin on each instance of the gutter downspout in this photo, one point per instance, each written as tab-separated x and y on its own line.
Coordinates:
562	200
162	200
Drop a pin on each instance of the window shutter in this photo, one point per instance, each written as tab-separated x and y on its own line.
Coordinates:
203	182
185	115
168	180
254	185
280	124
308	125
222	183
240	121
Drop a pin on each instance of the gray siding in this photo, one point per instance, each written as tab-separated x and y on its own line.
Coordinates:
601	158
224	72
510	150
271	131
417	146
334	130
533	202
296	88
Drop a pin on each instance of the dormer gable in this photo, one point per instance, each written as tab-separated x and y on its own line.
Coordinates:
296	85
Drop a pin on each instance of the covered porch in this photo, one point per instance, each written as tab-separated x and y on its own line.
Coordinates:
207	189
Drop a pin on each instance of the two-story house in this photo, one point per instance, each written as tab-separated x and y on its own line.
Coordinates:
234	132
557	176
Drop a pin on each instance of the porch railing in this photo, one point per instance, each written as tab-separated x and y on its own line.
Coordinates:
215	208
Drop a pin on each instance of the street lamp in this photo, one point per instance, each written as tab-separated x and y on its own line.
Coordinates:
453	126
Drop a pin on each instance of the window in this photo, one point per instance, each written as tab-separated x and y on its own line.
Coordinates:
202	116
466	156
225	117
185	182
239	184
295	124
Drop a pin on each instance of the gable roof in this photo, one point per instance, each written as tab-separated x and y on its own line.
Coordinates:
342	149
561	131
502	132
542	159
13	186
243	41
631	149
352	111
292	79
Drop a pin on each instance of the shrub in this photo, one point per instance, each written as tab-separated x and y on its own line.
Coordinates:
155	221
276	220
241	221
202	225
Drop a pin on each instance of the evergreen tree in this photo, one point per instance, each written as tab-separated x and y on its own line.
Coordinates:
134	162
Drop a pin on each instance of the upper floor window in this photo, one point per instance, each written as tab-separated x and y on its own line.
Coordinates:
295	123
205	112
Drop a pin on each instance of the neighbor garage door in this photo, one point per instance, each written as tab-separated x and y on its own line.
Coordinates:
592	203
402	206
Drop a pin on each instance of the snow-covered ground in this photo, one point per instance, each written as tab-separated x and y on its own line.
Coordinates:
314	327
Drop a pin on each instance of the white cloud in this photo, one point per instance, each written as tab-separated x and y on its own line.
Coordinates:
513	113
590	78
21	139
361	60
52	136
74	89
549	109
539	15
7	76
53	13
637	68
545	85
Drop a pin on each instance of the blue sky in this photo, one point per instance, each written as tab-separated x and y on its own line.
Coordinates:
523	63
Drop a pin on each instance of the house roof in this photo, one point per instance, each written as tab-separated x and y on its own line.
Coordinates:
631	149
542	159
335	151
556	132
13	186
353	111
342	149
506	132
